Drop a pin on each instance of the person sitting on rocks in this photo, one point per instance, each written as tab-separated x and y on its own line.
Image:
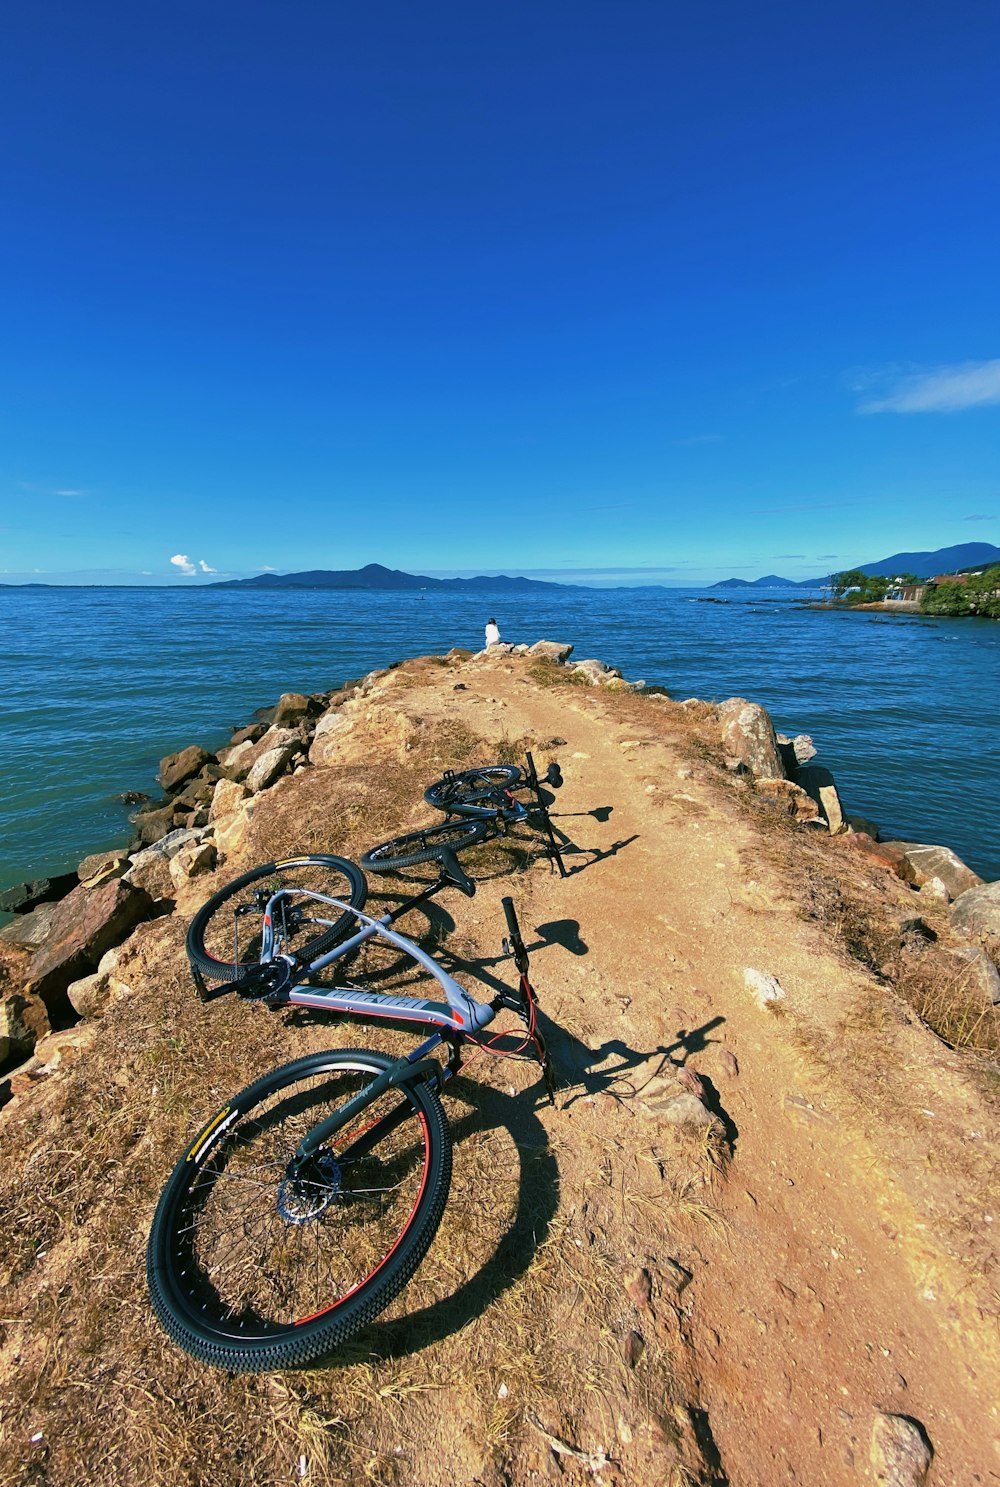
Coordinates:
492	633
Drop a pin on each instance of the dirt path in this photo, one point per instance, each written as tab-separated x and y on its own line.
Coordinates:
826	1289
613	1298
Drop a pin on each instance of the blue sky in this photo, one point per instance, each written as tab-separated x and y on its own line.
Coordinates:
620	291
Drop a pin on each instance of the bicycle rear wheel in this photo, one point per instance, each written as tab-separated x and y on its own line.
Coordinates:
225	937
251	1268
423	846
474	792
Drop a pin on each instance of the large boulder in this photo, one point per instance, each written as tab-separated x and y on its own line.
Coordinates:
24	897
241	760
229	796
85	924
926	862
550	648
977	912
270	766
176	768
192	861
150	870
230	832
886	854
789	799
293	707
30	930
597	673
152	825
748	738
819	783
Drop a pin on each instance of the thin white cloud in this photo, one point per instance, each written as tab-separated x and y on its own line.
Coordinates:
205	568
70	493
968	384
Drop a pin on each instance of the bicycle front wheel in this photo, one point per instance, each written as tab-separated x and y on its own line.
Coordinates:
474	792
225	937
252	1267
423	846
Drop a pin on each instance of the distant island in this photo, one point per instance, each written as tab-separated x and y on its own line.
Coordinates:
771	581
962	556
375	576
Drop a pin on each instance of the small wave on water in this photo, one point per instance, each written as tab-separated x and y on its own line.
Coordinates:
99	684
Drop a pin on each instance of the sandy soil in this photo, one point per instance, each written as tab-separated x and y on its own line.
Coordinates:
826	1253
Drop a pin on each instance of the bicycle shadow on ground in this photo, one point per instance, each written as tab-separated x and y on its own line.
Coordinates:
537	1179
583	1072
594	855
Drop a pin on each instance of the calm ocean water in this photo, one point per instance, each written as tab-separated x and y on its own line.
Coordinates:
99	684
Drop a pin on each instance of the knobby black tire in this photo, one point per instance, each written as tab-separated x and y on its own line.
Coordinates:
423	846
474	792
225	945
242	1273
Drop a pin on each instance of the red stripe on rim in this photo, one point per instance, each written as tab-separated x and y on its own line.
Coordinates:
386	1258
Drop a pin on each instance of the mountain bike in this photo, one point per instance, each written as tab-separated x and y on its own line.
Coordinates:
305	1204
479	804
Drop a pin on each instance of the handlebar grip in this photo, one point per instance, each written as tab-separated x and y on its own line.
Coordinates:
511	917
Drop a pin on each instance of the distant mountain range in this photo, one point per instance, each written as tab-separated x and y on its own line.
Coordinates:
920	564
374	576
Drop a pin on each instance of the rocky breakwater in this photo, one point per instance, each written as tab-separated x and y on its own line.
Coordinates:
64	956
784	776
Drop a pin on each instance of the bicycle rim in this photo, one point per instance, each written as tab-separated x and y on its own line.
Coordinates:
474	792
423	846
248	1270
225	937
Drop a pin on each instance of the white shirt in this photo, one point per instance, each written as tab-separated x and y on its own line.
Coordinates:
492	635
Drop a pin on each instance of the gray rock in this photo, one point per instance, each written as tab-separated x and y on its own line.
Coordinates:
748	737
171	844
271	766
976	912
150	871
192	861
241	760
24	897
900	1452
550	648
929	862
30	930
152	825
765	989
